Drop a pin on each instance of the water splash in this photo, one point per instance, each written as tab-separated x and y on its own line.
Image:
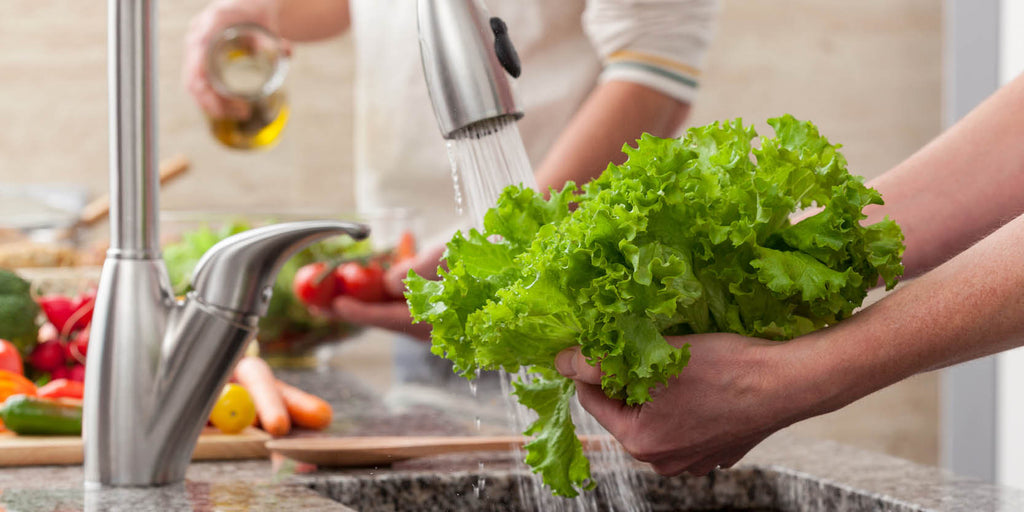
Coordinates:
486	157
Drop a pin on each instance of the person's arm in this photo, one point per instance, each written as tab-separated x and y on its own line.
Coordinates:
961	186
652	56
737	391
312	20
293	20
614	113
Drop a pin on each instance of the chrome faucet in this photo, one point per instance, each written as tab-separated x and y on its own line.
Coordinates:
156	363
467	58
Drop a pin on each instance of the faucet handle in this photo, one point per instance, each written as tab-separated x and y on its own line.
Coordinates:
238	273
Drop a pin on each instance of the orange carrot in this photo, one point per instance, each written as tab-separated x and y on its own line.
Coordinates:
255	376
306	410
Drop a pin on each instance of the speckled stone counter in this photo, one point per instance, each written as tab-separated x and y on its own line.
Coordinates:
784	473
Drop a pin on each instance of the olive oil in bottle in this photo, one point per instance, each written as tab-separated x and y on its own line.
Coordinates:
246	66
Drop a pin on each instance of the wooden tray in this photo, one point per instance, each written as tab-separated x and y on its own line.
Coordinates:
18	450
377	451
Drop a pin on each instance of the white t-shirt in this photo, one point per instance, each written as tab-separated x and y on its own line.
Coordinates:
565	46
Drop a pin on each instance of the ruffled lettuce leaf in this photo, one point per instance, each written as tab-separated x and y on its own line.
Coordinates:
689	235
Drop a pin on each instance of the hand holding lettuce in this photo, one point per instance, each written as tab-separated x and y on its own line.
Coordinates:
689	235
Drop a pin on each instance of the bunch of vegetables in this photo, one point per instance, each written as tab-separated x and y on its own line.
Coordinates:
53	354
43	345
689	235
53	349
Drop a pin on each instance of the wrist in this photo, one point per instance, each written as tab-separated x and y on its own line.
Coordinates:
819	373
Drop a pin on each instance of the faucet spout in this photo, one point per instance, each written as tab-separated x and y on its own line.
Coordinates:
238	273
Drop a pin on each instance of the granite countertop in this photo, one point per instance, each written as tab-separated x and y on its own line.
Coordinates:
784	473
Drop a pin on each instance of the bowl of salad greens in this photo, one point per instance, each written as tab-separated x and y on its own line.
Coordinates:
290	331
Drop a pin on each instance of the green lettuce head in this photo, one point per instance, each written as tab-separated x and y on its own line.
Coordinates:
689	235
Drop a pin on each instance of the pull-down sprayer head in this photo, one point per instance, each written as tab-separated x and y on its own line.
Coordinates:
467	57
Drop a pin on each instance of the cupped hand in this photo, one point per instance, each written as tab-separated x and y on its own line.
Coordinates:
724	403
203	28
393	314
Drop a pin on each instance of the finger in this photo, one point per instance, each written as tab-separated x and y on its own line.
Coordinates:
236	108
211	103
388	315
195	79
732	459
286	47
573	364
424	264
613	415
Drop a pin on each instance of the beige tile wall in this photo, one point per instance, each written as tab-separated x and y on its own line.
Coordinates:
53	84
868	73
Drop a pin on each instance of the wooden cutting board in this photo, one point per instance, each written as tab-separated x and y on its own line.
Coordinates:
18	450
375	451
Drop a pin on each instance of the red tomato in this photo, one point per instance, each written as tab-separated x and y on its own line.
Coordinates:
314	285
10	359
47	356
365	283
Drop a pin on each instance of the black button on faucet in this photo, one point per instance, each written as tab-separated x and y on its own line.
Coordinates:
504	49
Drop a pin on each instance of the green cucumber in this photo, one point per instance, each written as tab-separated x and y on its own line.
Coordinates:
31	416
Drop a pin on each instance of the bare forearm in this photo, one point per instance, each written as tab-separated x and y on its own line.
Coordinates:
613	114
968	307
962	186
312	20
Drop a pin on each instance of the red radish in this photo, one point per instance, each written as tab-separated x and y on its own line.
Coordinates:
84	305
63	372
78	347
77	373
47	356
67	314
58	310
47	332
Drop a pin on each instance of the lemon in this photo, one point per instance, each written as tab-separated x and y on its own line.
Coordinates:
234	410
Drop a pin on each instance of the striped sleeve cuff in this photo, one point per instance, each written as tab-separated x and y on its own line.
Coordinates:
662	74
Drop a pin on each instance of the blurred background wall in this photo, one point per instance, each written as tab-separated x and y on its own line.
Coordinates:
868	73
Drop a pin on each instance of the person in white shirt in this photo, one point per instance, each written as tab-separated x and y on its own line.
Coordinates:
596	74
